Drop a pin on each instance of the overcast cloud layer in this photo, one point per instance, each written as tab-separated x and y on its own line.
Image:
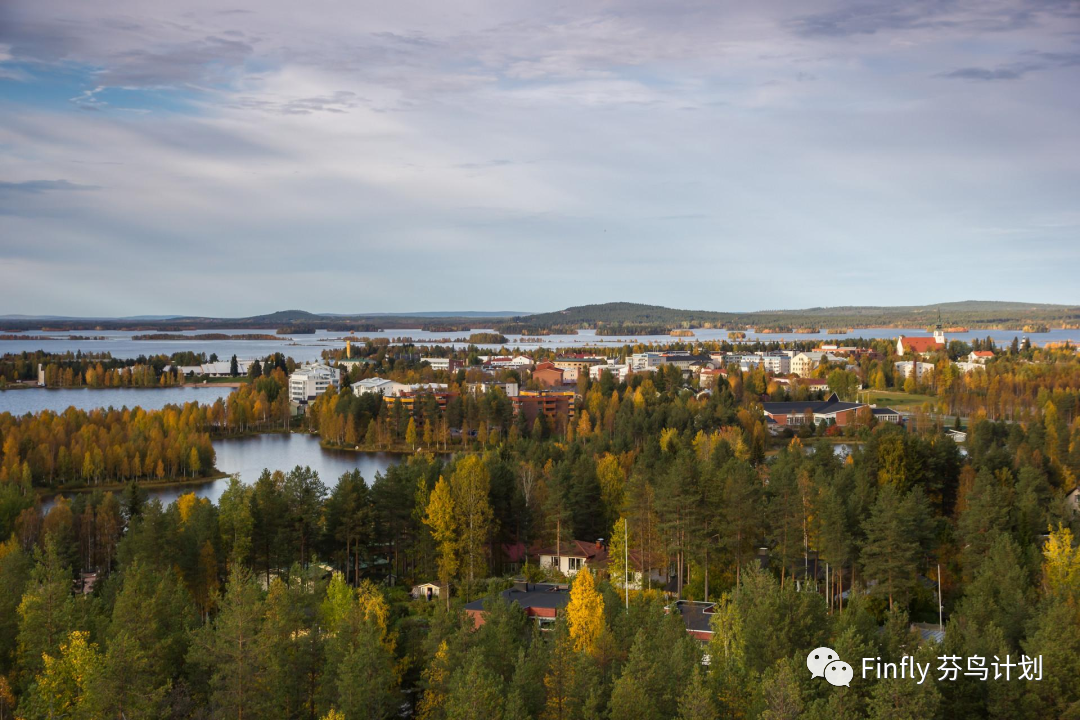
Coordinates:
232	158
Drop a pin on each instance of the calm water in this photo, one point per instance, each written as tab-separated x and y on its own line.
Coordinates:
248	456
309	347
33	400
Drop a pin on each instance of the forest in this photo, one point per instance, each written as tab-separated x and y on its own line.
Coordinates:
617	318
289	597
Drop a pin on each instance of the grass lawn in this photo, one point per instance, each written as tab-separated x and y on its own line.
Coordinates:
899	400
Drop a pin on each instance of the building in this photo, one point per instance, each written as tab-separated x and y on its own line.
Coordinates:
414	395
548	375
696	616
708	376
575	367
425	591
887	415
820	411
920	345
777	363
980	356
543	602
806	362
811	384
447	364
311	381
905	369
556	405
618	371
573	556
510	388
383	386
221	368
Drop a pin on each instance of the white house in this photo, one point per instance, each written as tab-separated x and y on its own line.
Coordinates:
573	556
980	356
311	381
383	386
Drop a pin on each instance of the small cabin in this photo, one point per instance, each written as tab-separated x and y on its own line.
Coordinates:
425	591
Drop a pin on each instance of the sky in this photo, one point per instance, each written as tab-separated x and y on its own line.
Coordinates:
236	157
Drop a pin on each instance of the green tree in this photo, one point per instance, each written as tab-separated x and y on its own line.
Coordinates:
228	650
892	550
46	612
471	486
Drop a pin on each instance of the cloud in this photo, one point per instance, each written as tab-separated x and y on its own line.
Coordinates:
416	136
1015	71
37	187
976	73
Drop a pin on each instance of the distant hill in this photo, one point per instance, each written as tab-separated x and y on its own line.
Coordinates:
606	318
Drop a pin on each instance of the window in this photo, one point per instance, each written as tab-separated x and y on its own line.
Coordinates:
576	563
545	623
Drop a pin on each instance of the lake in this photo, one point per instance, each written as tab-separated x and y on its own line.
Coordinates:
34	400
309	347
249	455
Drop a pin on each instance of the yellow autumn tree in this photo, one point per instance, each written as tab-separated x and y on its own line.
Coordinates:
611	476
435	678
440	518
60	688
585	613
1061	566
410	434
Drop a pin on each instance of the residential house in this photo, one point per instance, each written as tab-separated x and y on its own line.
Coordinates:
980	356
543	602
696	616
573	556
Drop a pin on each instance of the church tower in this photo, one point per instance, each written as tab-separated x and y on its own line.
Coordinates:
939	334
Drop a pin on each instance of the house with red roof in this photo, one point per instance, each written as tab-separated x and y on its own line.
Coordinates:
980	356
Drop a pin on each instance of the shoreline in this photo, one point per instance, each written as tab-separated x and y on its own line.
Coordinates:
196	386
45	494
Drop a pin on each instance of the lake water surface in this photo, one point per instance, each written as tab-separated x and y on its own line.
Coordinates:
309	347
34	400
280	451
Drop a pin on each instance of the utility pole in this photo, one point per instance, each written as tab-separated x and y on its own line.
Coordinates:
940	621
626	564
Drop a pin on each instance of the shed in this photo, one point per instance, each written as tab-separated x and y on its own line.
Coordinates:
425	591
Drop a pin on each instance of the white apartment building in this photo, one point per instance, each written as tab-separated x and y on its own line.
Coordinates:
437	363
905	368
619	371
311	381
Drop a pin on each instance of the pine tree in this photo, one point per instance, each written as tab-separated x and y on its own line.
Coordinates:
46	612
227	648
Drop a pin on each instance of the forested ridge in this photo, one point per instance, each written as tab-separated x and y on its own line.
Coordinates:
288	598
616	317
